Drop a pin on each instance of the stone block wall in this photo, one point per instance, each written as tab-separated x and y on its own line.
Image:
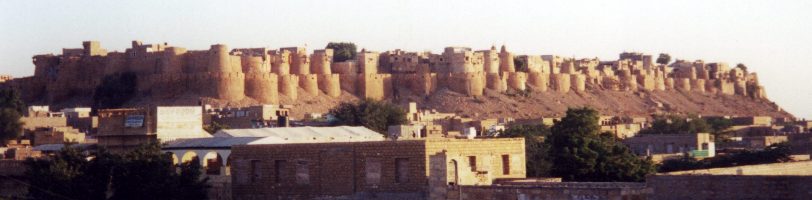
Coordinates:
394	169
728	187
288	85
517	80
539	81
372	86
330	84
263	87
310	83
471	84
578	82
496	82
552	191
698	85
231	75
561	82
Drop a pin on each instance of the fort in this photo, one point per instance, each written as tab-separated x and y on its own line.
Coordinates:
286	75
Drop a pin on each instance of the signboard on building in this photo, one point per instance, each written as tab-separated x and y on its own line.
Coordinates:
134	121
700	153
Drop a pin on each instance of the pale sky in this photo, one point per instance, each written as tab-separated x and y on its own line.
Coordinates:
773	38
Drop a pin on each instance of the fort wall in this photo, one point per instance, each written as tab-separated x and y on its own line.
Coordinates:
490	61
561	82
496	82
517	80
539	81
310	83
371	86
320	61
261	74
330	84
506	61
698	85
578	82
684	84
288	85
263	87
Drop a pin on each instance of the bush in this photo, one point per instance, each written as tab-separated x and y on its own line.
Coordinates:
373	114
537	152
581	153
342	51
115	90
145	173
11	109
773	154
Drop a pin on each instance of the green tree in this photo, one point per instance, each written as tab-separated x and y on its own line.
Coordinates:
115	90
145	173
679	125
342	51
742	67
214	127
373	114
538	160
68	175
581	153
772	154
664	59
719	127
10	98
148	164
11	109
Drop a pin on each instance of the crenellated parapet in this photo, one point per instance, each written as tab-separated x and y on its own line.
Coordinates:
270	75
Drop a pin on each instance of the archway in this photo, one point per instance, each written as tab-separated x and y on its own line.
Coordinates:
175	160
189	156
213	163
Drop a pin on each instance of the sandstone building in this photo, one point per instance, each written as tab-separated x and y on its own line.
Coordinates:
123	129
409	169
266	75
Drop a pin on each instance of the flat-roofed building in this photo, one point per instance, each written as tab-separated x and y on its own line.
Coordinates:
697	145
403	169
123	129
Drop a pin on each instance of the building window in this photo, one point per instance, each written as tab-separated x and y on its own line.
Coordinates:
372	169
279	170
505	164
472	163
401	170
256	172
302	172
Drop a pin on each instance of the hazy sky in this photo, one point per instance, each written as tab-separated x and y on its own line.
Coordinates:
773	38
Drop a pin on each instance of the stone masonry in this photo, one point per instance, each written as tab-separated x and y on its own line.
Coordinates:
266	75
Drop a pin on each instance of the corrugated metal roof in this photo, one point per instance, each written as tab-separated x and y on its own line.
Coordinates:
283	135
214	142
292	133
58	147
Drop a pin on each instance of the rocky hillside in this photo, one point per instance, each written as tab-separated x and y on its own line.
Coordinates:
523	106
